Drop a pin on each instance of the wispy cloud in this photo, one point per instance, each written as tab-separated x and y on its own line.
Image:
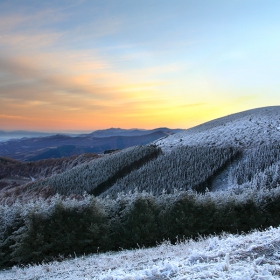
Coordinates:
69	86
41	75
67	79
95	64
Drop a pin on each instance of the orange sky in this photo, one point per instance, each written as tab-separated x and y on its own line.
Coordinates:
76	66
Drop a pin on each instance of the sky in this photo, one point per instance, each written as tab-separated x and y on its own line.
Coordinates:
70	65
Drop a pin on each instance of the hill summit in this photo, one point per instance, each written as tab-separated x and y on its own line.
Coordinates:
246	129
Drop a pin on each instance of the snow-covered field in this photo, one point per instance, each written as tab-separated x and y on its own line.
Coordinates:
252	256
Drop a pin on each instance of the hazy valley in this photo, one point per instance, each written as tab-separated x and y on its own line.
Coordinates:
59	145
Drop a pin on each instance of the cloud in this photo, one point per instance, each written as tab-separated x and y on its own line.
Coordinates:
47	79
36	73
4	116
61	90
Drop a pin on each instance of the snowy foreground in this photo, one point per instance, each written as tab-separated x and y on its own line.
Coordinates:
252	256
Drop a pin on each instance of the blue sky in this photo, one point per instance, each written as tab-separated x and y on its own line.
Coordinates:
86	65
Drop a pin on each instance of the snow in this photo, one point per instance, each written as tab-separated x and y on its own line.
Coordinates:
252	256
244	130
239	257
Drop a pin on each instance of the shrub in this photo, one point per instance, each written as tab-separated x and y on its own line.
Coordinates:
43	230
67	228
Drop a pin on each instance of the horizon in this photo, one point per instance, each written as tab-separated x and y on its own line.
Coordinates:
19	134
88	65
80	131
108	128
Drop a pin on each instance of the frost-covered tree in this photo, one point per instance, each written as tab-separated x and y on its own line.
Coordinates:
184	168
98	175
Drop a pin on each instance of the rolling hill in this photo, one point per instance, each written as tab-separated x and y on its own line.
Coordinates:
244	130
220	154
14	173
221	176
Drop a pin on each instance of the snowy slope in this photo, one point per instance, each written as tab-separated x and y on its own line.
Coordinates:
244	130
252	256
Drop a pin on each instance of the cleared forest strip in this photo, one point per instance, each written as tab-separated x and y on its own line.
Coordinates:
184	168
100	173
123	172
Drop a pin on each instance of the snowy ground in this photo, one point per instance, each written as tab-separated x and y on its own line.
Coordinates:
252	256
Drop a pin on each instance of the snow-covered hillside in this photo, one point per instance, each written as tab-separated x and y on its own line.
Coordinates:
252	256
244	130
146	196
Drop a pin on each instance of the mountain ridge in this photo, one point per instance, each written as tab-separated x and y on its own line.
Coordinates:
59	145
244	130
130	132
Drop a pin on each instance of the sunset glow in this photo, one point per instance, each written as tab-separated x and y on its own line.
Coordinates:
87	65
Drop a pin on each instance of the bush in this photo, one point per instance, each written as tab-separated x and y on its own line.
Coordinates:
44	230
139	222
11	220
66	228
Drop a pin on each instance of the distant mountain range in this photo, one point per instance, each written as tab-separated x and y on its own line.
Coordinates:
7	135
131	132
35	145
